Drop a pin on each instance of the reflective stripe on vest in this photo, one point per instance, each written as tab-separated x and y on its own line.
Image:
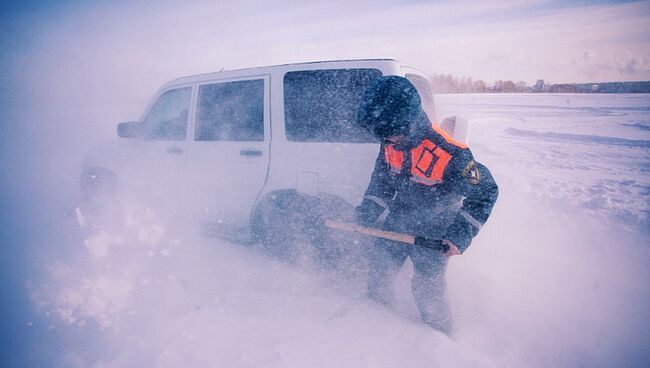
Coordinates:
394	158
428	162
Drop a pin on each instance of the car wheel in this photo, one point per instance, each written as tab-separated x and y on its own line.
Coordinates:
99	200
290	225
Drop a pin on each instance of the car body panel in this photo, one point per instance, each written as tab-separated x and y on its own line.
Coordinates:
222	181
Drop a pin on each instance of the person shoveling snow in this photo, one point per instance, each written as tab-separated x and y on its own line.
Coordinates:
424	183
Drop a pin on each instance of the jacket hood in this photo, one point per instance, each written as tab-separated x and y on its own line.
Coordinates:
390	106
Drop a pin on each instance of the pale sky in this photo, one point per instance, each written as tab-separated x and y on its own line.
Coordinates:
559	41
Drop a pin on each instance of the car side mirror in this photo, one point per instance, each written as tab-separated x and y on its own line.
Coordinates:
129	129
457	127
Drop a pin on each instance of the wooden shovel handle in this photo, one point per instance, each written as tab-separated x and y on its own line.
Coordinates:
390	235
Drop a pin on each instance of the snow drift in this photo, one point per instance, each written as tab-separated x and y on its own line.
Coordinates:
555	278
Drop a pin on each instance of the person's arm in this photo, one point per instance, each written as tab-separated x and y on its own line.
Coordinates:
474	182
379	193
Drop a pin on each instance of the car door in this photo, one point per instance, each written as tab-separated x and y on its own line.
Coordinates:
336	155
228	156
156	158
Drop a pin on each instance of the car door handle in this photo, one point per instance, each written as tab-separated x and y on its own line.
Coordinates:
174	150
250	153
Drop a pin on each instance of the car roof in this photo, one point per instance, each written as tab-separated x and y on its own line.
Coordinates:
223	74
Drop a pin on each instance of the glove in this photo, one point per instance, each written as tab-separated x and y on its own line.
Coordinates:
453	249
435	244
368	212
460	233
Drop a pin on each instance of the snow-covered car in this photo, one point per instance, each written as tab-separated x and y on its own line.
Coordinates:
245	149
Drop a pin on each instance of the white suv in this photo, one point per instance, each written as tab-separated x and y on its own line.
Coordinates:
248	147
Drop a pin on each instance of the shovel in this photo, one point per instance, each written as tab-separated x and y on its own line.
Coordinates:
389	235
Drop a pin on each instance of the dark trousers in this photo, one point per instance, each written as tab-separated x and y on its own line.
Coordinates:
429	286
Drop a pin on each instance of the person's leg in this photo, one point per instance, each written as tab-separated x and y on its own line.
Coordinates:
429	288
384	261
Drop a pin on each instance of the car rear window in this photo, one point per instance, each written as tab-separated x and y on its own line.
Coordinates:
321	105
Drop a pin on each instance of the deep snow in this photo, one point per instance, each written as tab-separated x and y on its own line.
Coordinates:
555	278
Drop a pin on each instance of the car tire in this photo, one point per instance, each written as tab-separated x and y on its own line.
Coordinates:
291	225
100	205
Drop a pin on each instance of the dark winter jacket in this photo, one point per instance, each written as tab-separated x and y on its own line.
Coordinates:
429	186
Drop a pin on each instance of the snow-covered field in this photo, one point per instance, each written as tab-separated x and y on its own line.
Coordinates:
557	277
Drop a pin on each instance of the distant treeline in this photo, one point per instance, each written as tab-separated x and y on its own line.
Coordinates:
614	87
446	83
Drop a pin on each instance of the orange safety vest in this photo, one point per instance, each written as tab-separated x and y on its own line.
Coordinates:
428	161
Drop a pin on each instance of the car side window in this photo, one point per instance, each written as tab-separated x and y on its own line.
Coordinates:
321	105
167	119
231	111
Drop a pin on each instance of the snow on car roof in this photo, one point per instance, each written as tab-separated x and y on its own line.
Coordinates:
267	68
